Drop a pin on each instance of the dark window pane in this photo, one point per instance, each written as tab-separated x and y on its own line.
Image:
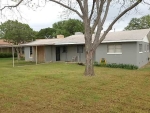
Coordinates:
79	49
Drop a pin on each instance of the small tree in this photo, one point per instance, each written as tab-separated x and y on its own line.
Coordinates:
46	33
139	23
16	33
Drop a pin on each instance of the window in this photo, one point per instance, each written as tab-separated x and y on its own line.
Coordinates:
140	48
64	49
30	51
114	49
147	48
79	49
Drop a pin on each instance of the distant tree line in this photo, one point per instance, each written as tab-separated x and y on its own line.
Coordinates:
66	28
139	23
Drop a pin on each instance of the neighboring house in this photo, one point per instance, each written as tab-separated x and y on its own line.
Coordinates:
5	47
127	47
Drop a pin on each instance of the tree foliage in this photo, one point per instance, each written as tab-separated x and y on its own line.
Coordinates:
46	33
139	23
16	32
68	27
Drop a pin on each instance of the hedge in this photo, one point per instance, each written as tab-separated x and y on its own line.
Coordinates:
114	65
7	55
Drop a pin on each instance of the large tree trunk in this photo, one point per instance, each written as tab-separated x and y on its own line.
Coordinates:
18	54
21	54
89	67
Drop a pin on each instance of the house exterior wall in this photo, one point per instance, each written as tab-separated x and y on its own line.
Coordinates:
53	53
5	49
128	56
48	53
142	57
71	53
27	54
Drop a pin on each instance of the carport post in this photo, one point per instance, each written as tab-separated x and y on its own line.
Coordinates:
13	56
36	55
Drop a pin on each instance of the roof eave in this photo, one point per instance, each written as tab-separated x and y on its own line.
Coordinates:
121	41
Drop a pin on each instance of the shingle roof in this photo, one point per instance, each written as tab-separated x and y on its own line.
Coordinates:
134	35
127	35
42	42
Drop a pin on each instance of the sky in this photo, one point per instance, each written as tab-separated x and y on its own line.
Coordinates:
47	15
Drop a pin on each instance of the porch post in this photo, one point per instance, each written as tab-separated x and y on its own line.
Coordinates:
13	56
36	55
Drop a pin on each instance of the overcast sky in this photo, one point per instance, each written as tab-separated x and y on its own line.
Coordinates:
44	17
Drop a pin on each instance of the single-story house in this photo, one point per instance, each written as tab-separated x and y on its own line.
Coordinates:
5	47
127	47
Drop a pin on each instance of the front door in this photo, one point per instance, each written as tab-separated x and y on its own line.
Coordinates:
57	53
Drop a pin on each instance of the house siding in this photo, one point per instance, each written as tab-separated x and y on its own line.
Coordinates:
48	53
27	54
128	55
5	49
142	58
53	54
72	52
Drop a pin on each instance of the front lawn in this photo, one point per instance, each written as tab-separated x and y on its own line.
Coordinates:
62	88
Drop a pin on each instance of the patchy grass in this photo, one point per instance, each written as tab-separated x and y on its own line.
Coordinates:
62	88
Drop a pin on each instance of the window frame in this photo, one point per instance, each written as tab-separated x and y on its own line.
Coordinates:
114	48
30	51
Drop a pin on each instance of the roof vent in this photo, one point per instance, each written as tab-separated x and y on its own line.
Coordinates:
78	33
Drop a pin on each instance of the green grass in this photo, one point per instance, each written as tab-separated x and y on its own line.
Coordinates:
62	88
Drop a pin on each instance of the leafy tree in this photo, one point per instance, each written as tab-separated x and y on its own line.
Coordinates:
16	33
139	23
68	27
94	14
46	33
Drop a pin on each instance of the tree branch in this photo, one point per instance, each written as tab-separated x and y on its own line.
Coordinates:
67	7
106	11
117	18
98	15
92	10
12	6
81	6
146	2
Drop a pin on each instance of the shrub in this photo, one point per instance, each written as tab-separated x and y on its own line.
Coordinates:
114	65
80	63
7	55
96	63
